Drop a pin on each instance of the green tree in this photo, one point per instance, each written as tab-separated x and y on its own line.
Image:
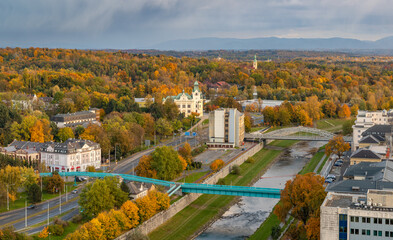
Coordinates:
276	232
164	127
95	198
166	162
119	196
90	169
124	187
65	133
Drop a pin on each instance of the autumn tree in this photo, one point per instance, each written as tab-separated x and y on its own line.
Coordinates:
44	233
144	168
302	197
146	208
247	122
185	152
162	199
109	224
54	183
337	146
131	210
313	108
34	193
217	165
344	111
37	132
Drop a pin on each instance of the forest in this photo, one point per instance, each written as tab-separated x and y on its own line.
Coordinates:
76	80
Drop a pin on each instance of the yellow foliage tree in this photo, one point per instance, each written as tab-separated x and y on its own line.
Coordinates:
109	224
337	146
131	211
162	199
183	162
37	132
147	207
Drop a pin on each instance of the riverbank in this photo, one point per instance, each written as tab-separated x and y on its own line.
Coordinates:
264	231
203	211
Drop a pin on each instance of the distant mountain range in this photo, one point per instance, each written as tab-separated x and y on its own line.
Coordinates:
273	43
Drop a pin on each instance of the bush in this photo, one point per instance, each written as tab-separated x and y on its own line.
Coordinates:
236	170
77	219
56	229
250	160
276	232
58	221
198	150
221	181
194	165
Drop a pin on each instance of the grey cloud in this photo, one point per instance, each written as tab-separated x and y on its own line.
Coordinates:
140	23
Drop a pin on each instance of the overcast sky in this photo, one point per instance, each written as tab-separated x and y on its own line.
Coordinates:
125	24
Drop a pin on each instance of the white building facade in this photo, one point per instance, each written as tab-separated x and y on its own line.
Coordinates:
226	128
365	120
188	104
73	155
360	217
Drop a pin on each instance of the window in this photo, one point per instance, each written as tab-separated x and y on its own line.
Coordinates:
352	219
189	106
386	234
375	232
368	220
387	221
356	219
391	221
352	231
363	219
368	232
343	217
379	233
391	234
363	231
379	220
357	231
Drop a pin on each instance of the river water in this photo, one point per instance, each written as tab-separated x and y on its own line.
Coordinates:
244	218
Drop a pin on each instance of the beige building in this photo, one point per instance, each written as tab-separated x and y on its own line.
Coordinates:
189	103
226	128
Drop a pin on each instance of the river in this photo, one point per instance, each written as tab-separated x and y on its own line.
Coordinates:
243	218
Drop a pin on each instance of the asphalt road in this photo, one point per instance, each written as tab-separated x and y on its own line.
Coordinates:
39	214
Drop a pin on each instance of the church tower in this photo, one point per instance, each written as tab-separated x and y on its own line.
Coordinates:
255	63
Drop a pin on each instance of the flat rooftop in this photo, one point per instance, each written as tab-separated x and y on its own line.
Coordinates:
338	201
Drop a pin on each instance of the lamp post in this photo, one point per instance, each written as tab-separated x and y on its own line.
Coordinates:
26	213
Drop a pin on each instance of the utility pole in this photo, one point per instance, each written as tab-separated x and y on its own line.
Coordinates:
8	201
25	213
48	215
60	201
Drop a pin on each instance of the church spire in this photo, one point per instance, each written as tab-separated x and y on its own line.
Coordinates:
255	63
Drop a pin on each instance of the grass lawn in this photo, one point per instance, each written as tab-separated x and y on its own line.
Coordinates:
323	164
193	217
193	177
312	164
282	143
265	230
332	124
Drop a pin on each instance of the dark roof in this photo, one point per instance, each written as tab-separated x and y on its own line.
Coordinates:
358	186
26	145
70	145
378	130
369	170
369	139
365	153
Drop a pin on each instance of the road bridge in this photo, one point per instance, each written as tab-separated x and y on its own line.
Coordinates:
185	187
294	133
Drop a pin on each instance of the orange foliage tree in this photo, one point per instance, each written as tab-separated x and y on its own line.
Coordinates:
337	146
43	234
185	152
344	112
303	197
144	168
217	164
162	199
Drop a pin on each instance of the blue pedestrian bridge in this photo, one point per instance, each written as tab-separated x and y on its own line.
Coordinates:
184	187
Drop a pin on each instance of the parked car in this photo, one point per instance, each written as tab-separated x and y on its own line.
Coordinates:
332	176
75	191
328	180
338	164
32	206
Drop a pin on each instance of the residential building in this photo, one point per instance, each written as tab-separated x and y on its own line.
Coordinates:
365	155
23	150
357	216
372	171
226	128
139	189
366	120
187	103
72	155
72	120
